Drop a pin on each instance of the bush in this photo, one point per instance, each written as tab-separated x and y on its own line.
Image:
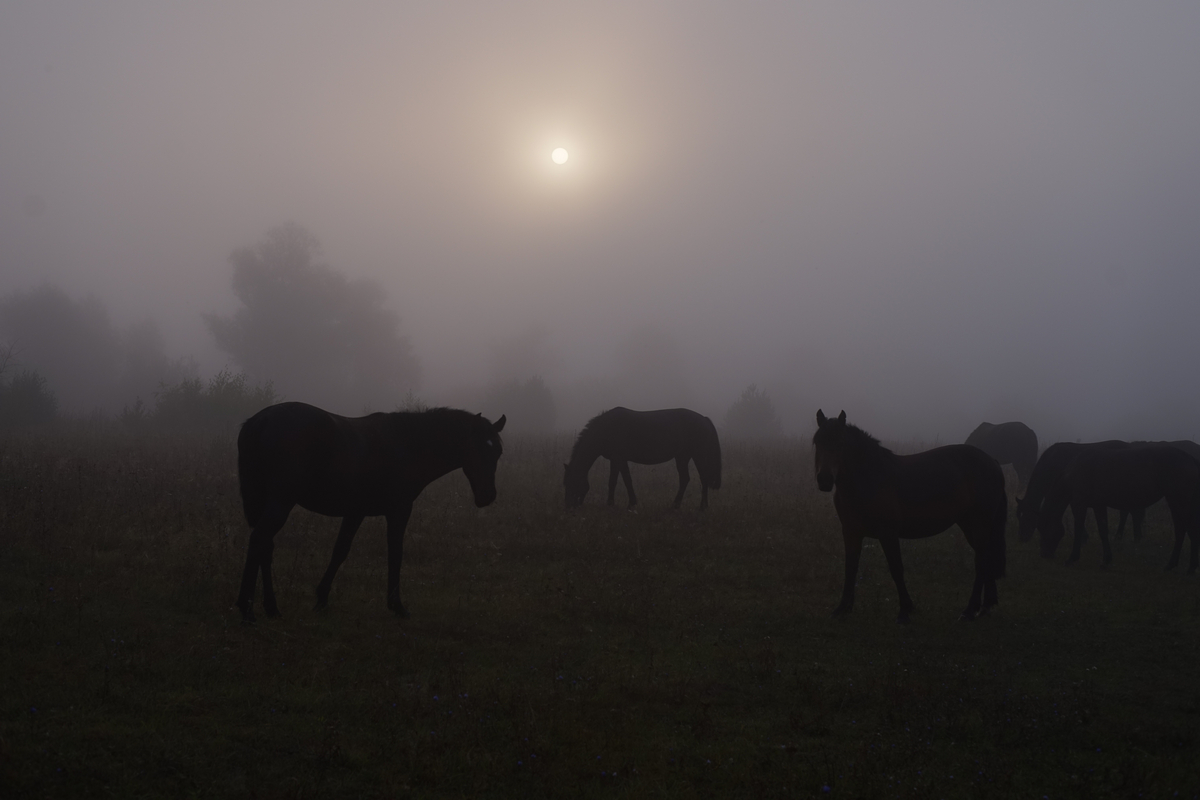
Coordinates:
226	402
753	416
25	400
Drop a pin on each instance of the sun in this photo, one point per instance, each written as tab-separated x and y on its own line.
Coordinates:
559	156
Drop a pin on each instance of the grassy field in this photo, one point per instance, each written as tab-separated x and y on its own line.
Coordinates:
596	653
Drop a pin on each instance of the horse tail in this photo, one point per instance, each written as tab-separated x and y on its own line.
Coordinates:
714	479
250	469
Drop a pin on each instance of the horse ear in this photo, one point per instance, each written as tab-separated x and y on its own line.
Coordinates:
499	424
842	417
566	468
821	418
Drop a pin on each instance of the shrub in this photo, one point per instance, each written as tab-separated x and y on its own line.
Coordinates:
25	400
227	401
753	416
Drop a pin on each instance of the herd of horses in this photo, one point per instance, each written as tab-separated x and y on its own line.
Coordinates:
293	454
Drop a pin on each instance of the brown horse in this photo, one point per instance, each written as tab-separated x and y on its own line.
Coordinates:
888	497
1127	479
1009	443
644	437
295	454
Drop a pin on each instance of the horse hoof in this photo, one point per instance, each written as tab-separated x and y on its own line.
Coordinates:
399	610
273	613
903	618
968	616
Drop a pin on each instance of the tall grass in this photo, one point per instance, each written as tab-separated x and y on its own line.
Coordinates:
591	653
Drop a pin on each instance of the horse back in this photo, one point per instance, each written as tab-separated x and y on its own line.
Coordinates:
1133	477
652	437
300	454
924	493
1008	442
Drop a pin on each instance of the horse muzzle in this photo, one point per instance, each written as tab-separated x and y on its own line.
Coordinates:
825	481
485	498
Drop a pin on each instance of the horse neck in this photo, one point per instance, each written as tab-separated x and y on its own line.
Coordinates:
1039	481
868	459
586	451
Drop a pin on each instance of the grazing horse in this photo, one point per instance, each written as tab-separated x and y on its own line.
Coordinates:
889	497
1127	479
1009	443
644	437
1187	446
295	454
1047	472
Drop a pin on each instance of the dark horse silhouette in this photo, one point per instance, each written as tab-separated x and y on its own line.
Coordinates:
295	454
889	497
1009	443
1127	479
1047	472
1187	446
644	437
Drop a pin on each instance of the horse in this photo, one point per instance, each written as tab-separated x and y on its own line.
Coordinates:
644	437
889	497
1046	473
1009	443
1124	478
293	454
1187	446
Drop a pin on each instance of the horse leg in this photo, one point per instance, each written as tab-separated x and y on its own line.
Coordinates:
397	521
272	519
341	549
891	549
1080	515
1179	517
1138	515
853	543
681	464
1120	534
1102	529
628	484
614	469
269	606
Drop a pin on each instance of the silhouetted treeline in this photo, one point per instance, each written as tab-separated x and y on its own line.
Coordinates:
87	362
753	416
313	332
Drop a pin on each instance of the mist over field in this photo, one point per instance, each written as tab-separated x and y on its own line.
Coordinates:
926	214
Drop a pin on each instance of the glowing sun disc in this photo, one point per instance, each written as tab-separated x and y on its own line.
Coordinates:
559	156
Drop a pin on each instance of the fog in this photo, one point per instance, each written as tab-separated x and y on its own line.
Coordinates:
927	214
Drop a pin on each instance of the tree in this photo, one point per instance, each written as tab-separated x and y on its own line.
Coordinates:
317	335
753	416
25	400
87	361
529	405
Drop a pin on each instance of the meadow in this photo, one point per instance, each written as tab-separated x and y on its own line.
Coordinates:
592	653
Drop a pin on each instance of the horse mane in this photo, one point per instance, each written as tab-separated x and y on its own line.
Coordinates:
431	426
864	443
586	432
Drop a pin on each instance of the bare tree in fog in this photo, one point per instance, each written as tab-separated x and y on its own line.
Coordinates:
319	336
87	362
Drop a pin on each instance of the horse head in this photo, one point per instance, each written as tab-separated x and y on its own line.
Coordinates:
575	484
828	443
483	449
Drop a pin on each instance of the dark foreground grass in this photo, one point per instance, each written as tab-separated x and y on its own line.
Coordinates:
598	653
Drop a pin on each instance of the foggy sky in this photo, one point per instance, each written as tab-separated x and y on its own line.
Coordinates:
928	214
